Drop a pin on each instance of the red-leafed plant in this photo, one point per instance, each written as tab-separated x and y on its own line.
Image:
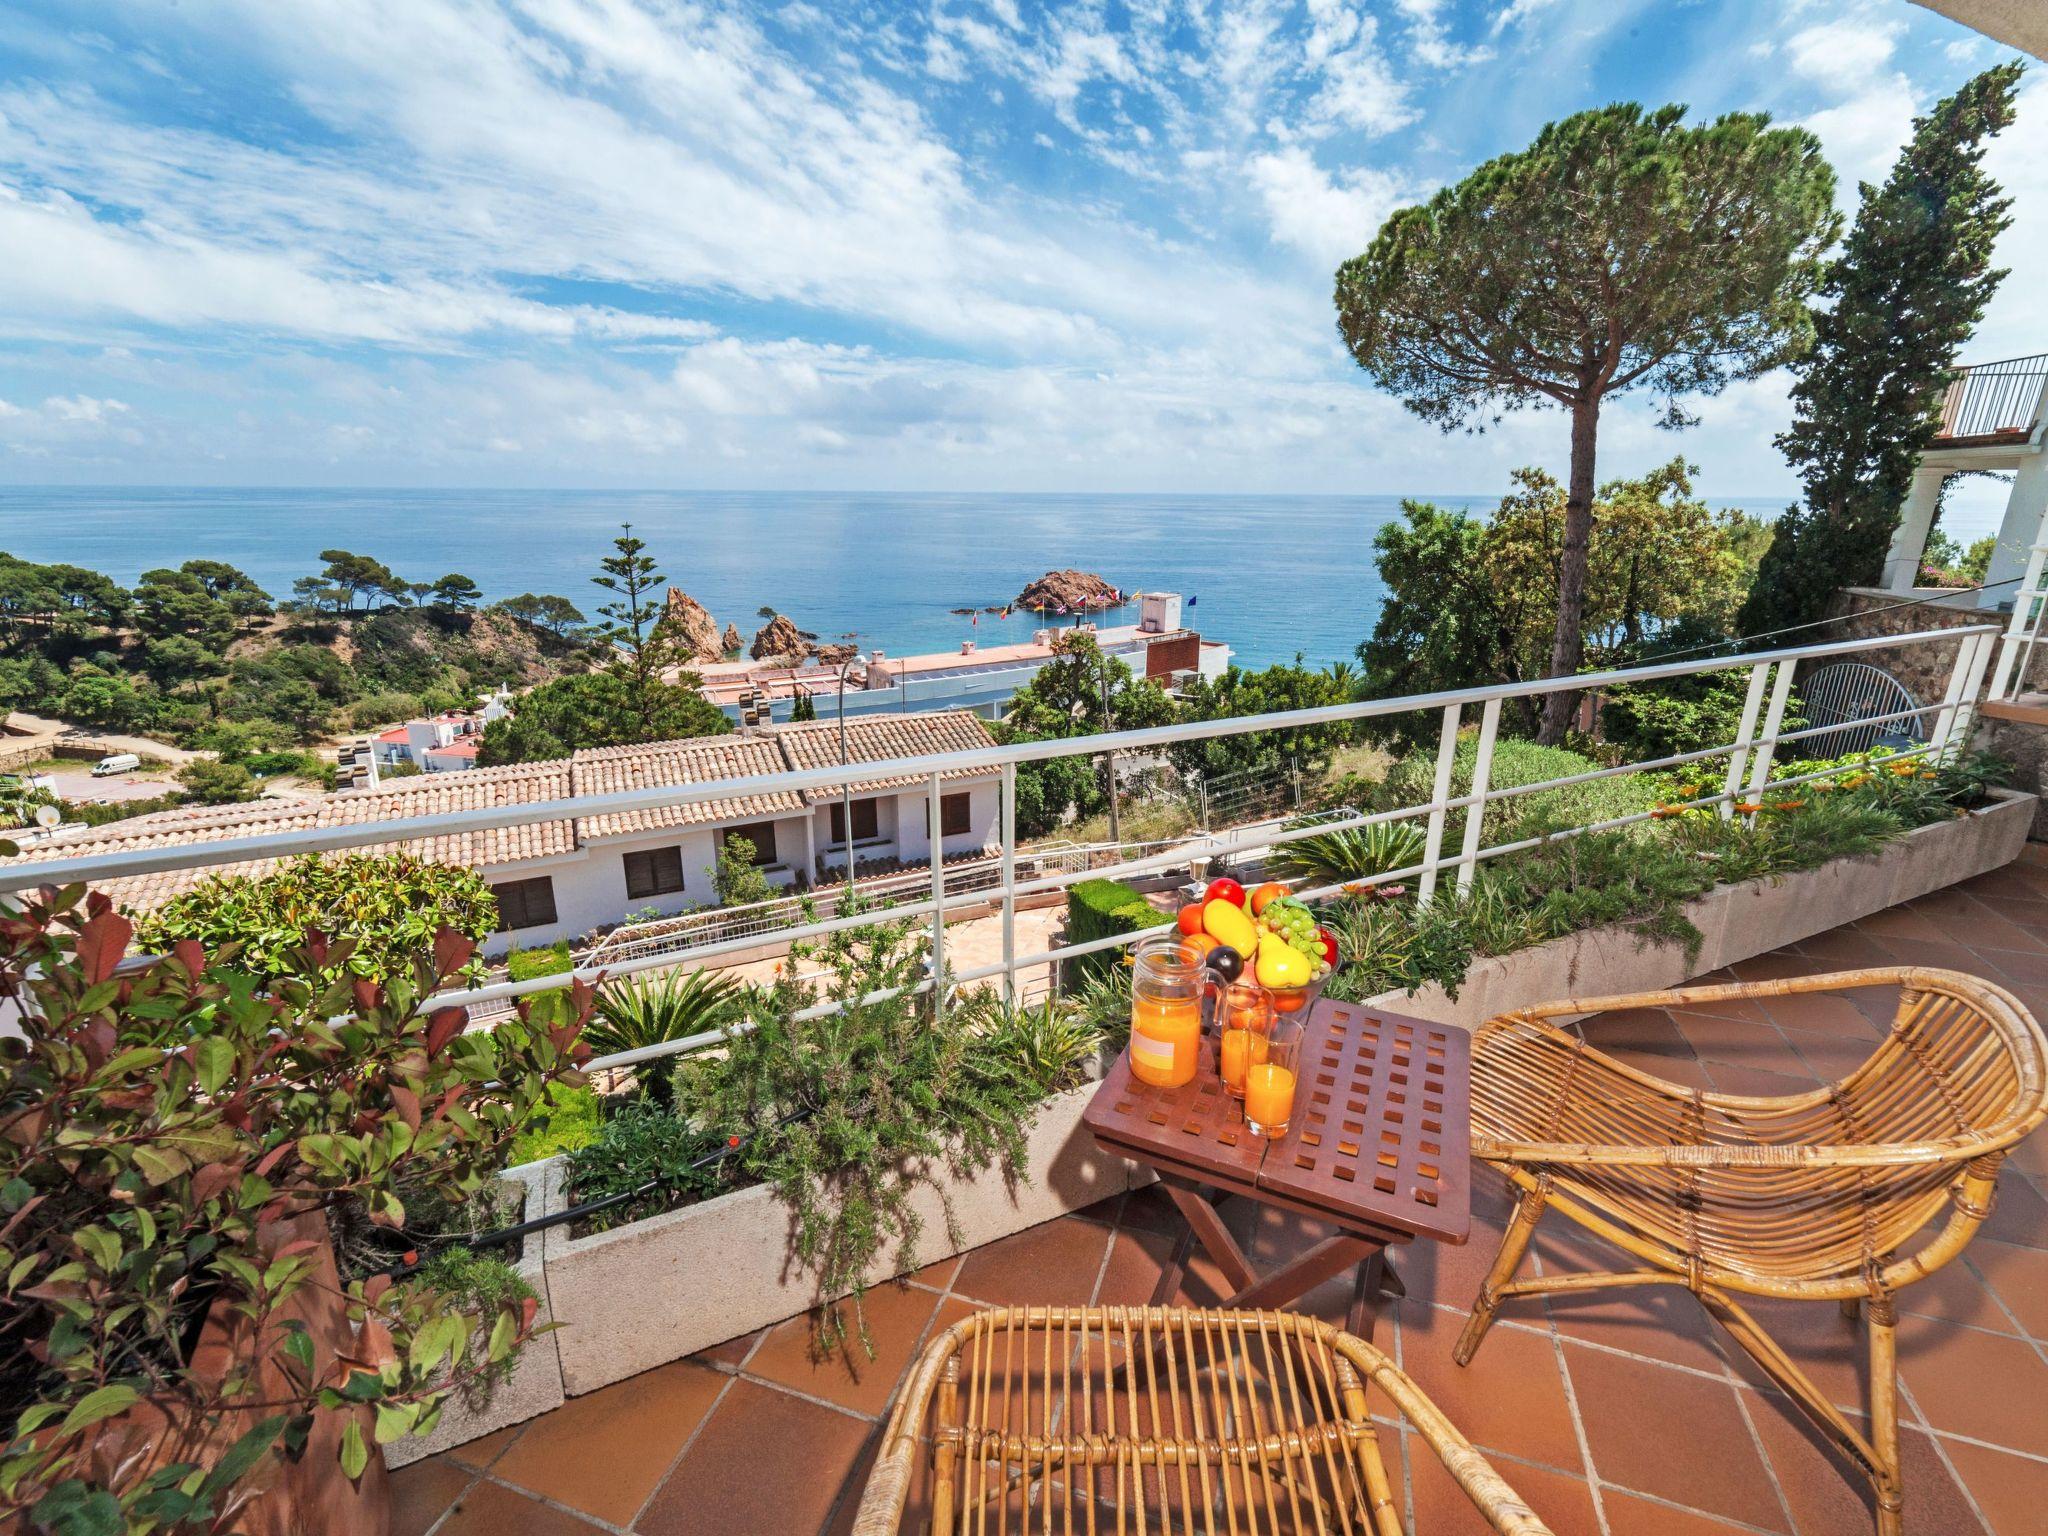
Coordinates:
166	1129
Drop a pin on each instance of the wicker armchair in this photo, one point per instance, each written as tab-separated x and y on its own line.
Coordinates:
1820	1196
1228	1421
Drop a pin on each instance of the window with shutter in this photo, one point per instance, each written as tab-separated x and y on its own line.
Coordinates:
525	903
654	872
955	815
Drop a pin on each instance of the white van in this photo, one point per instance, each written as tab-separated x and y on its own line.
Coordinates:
120	762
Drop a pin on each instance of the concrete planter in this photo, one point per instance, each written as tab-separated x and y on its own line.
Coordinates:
535	1386
1736	922
642	1295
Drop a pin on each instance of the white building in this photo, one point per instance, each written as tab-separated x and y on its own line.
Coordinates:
1992	419
567	877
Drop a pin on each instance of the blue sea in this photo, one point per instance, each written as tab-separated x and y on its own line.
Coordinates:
1272	576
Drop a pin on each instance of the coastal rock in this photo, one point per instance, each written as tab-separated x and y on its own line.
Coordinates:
731	641
832	652
1070	590
691	626
778	637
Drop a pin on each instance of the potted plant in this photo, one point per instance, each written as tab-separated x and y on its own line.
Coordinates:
181	1352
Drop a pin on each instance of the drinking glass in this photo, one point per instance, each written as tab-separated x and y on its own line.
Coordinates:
1269	1085
1244	1017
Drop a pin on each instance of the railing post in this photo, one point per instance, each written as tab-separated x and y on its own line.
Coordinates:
2016	646
1774	717
1446	759
1958	704
1475	813
1745	734
1006	817
934	819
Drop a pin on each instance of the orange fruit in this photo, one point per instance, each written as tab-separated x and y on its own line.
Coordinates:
1266	894
1196	946
1189	919
1289	1002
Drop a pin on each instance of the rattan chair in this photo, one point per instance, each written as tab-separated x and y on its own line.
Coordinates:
1819	1196
1230	1422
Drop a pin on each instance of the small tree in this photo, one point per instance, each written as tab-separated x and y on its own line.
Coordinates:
212	782
166	1138
737	878
632	624
1911	284
803	709
1622	248
455	591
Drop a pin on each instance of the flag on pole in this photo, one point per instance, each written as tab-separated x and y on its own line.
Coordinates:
1191	600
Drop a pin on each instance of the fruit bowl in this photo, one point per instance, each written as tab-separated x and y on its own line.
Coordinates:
1296	1000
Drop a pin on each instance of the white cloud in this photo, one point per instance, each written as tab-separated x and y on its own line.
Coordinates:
1325	218
1515	12
1846	50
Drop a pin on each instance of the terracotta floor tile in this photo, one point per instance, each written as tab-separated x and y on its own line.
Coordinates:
1775	966
732	1352
1826	1013
2018	1275
2012	1491
1843	949
1900	922
481	1453
1832	1351
1738	1042
1448	1274
1754	1082
1149	1210
1630	1516
1978	1384
2029	966
1954	1294
1052	1263
897	1316
765	1462
1671	1434
1442	1508
1510	1398
1635	1029
489	1510
2019	1214
1660	1321
1830	1055
1748	1009
1944	953
1135	1262
941	1274
1830	1497
422	1492
603	1453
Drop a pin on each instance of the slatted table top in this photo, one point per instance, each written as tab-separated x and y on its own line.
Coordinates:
1380	1136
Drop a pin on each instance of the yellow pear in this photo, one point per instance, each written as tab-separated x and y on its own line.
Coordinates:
1282	967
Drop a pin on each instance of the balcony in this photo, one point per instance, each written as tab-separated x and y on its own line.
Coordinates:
1621	1413
1993	405
1617	1412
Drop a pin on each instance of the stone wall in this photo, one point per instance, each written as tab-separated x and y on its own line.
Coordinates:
1924	669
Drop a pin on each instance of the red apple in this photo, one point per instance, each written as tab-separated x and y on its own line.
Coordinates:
1329	943
1224	889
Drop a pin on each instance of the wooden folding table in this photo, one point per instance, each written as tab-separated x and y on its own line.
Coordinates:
1378	1149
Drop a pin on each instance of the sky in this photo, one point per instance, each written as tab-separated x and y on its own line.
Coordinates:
964	245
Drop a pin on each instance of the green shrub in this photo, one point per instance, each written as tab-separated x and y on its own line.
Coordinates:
568	1119
1516	762
480	1284
849	1113
547	960
639	1142
1095	910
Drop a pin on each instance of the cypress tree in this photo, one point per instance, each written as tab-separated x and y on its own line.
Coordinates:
1910	285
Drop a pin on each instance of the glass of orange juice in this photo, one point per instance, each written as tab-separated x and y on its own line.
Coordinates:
1166	1014
1269	1084
1244	1018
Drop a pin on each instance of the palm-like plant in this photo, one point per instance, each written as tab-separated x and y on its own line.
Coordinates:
1349	853
650	1010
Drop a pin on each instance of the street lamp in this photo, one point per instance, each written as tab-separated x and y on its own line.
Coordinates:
846	785
1116	834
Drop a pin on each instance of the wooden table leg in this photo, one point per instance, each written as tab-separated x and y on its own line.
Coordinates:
1198	1210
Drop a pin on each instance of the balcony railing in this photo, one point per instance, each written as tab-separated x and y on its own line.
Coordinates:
1995	402
1746	763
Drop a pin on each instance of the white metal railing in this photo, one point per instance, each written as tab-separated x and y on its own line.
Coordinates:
2001	400
2023	630
1749	758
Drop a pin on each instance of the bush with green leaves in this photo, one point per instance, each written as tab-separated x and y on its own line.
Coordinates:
1412	781
569	1118
849	1113
157	1126
478	1283
643	1143
390	905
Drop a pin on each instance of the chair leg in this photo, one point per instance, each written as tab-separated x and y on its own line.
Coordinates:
1884	1415
1521	1227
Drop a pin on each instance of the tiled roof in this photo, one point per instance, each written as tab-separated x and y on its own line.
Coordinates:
597	771
473	789
877	738
702	760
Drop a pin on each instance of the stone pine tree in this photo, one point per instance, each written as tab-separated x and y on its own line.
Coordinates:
1911	283
1621	249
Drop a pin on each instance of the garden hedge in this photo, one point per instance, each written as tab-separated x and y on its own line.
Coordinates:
1095	910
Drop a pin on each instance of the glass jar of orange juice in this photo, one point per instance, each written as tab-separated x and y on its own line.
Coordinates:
1166	1014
